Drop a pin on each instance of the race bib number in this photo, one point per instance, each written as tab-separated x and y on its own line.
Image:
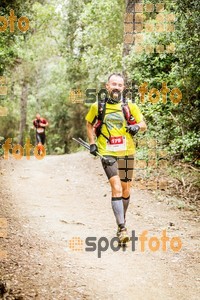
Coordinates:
40	130
116	143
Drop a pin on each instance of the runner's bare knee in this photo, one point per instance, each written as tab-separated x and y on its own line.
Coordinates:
126	186
116	186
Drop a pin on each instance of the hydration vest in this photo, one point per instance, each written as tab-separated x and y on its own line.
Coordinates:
101	114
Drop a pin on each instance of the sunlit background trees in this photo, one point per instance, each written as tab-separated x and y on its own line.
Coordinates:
75	44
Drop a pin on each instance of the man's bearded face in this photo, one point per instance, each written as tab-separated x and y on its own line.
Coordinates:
115	87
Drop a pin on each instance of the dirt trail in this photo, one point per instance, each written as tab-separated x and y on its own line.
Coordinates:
49	202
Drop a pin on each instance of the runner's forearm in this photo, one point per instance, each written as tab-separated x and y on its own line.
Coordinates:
143	126
90	133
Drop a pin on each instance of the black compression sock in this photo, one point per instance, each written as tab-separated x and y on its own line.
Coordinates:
126	204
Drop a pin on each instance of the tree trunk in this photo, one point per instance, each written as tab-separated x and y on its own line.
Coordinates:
129	38
23	111
38	102
129	26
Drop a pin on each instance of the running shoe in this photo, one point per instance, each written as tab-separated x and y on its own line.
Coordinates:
123	235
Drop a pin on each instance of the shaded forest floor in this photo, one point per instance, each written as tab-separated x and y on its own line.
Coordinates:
49	203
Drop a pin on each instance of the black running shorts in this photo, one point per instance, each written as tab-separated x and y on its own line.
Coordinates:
123	167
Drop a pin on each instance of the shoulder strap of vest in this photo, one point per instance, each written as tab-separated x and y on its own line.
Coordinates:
127	113
101	109
101	115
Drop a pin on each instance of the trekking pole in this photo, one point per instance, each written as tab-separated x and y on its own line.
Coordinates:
85	145
88	147
107	161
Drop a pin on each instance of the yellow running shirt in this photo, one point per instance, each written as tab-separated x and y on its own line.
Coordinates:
122	142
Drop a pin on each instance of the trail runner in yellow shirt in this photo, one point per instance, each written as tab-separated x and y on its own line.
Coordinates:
115	140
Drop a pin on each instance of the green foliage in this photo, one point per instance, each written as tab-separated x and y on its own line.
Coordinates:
186	146
178	126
